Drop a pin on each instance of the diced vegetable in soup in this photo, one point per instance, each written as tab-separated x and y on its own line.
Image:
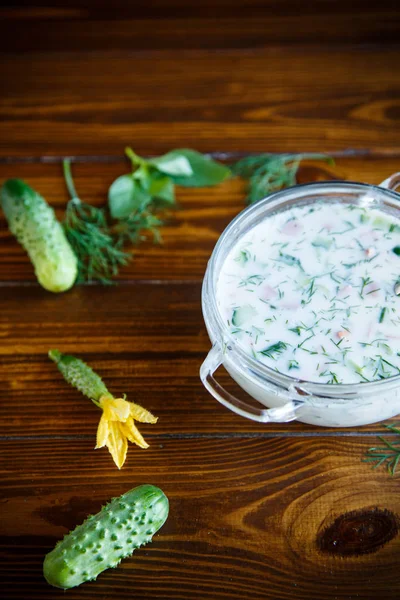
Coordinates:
310	293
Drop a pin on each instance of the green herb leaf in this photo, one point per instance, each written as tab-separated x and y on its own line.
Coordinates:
126	196
205	171
134	200
172	163
389	453
333	379
292	261
90	237
267	173
162	188
97	243
274	350
87	230
396	250
296	330
243	257
133	228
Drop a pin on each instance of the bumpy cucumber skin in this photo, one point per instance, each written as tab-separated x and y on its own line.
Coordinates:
79	375
103	540
35	226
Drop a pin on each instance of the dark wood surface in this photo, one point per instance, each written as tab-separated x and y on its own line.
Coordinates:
259	512
190	232
165	24
291	98
245	522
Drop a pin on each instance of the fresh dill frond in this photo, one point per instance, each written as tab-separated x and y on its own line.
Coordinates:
267	173
98	252
388	454
274	350
99	258
133	228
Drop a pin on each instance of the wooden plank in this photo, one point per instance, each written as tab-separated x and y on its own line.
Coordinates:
147	341
140	318
248	519
44	405
278	99
200	33
164	25
190	233
99	10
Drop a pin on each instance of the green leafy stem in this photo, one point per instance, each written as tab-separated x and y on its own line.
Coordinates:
138	201
388	454
267	173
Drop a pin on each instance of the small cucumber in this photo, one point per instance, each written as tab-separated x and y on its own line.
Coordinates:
79	375
103	540
35	226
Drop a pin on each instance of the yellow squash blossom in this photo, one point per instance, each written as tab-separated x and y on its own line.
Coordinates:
117	423
117	426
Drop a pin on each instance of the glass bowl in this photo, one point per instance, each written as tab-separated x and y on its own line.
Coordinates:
281	398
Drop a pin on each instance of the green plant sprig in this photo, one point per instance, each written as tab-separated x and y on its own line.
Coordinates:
267	173
88	231
389	453
151	184
136	203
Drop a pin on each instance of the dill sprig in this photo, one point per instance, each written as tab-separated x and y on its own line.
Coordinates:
274	350
99	258
132	228
135	201
268	173
389	453
99	252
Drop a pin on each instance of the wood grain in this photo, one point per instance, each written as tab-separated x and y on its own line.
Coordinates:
145	340
190	232
257	512
245	518
44	405
201	33
99	10
287	99
164	25
144	318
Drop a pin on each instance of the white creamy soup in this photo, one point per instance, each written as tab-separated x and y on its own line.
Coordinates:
310	292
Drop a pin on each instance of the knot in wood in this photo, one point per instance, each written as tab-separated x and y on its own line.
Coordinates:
359	532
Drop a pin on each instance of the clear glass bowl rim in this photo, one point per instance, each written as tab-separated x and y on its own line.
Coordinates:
237	356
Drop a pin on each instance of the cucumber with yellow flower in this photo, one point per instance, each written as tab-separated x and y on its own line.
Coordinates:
117	423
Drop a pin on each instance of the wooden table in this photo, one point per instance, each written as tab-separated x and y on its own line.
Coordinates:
250	503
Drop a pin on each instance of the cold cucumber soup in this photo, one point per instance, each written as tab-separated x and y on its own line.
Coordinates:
311	293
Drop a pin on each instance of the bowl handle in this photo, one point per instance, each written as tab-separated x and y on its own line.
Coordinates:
392	182
282	414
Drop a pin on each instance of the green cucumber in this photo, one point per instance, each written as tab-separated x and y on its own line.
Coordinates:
381	222
80	375
322	242
103	540
242	314
35	226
